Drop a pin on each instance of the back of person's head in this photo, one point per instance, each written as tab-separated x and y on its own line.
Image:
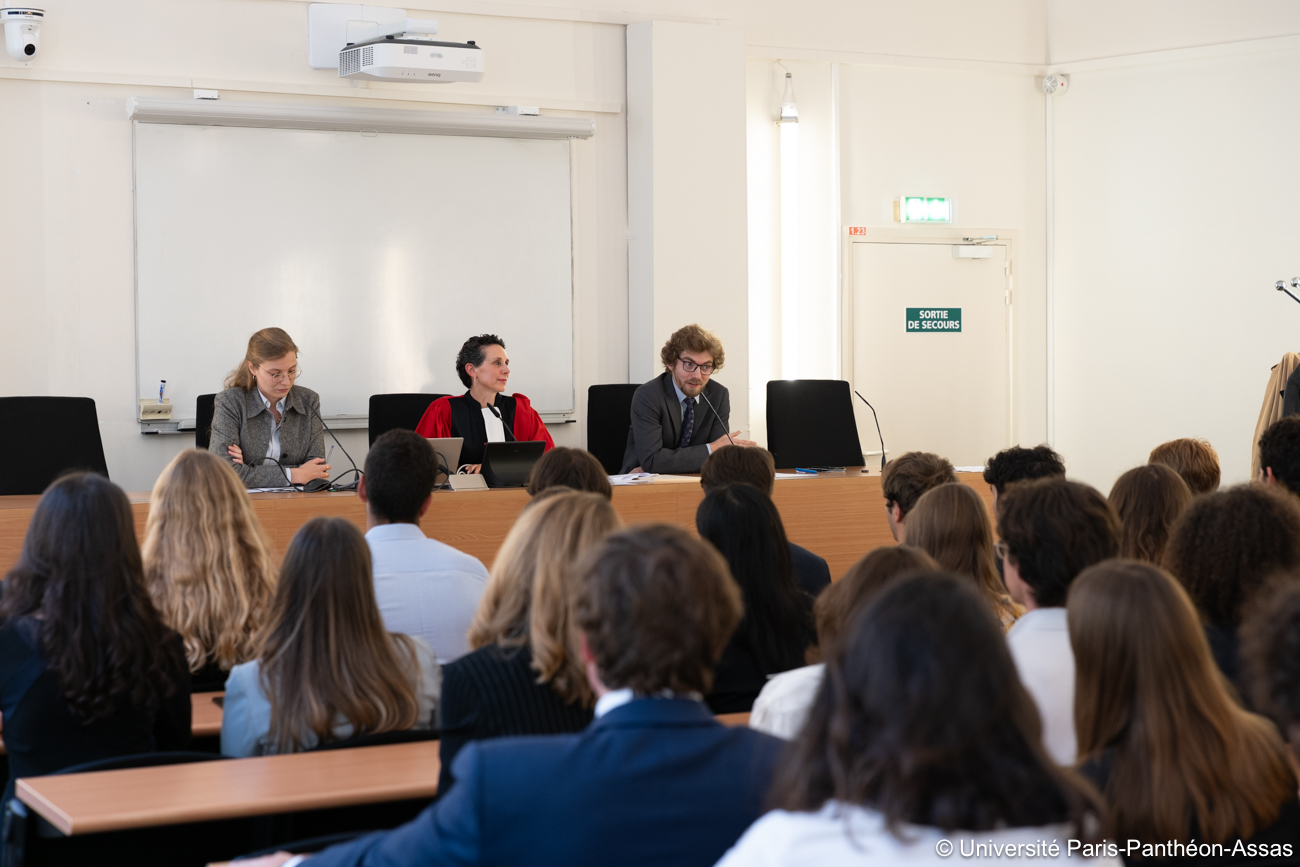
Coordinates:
1054	529
657	608
530	589
81	576
743	524
910	475
207	560
952	525
1019	464
1193	459
922	717
1227	545
1270	649
325	653
839	603
752	466
400	473
1148	500
1279	452
1185	756
576	469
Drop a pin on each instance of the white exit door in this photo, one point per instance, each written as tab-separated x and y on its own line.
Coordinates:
931	348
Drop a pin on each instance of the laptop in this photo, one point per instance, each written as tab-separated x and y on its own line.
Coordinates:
508	465
448	451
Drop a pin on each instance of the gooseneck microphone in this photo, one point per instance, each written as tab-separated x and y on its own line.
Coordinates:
356	472
715	412
878	433
510	435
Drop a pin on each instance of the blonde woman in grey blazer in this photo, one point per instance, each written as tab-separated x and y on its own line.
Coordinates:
265	426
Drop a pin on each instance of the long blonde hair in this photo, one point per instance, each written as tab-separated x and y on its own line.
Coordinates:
951	524
530	593
325	653
265	345
207	560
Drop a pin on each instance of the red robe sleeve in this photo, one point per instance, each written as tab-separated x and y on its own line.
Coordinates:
528	424
436	421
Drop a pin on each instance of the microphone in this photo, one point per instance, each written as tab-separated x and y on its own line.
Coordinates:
715	412
510	435
878	433
354	469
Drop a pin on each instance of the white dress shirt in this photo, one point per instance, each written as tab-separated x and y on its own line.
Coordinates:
425	588
782	707
1040	644
273	450
847	834
496	431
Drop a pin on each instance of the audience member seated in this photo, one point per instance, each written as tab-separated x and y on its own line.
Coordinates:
777	628
425	589
904	480
575	469
782	706
1019	464
923	734
1161	737
1149	500
655	780
1193	459
1052	529
952	525
88	670
1270	650
1279	454
1224	549
525	675
208	564
328	670
756	467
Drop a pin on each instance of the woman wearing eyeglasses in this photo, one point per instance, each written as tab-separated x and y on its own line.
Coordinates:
266	426
484	414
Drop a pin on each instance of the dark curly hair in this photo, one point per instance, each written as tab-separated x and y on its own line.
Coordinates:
1018	464
1227	545
471	352
1270	648
1279	449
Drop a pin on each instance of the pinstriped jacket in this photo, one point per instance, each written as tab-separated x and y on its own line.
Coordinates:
241	418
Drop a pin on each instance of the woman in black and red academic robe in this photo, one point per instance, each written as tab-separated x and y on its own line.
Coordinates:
484	414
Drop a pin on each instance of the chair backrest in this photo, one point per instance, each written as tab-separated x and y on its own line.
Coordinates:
204	407
409	736
609	418
393	411
810	423
45	437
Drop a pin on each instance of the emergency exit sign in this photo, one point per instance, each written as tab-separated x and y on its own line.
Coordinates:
924	209
930	320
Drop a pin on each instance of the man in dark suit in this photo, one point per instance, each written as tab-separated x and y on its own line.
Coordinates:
653	780
673	430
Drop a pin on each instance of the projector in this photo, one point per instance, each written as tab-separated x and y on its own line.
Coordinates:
395	52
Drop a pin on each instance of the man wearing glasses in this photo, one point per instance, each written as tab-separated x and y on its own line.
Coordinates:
680	417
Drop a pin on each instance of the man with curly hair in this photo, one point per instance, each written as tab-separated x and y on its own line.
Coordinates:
681	417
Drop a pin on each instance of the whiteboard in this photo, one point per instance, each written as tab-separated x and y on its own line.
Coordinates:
379	254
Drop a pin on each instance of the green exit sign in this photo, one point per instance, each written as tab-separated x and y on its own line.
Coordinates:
925	209
931	320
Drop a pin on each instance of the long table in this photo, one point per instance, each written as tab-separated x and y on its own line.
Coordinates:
840	516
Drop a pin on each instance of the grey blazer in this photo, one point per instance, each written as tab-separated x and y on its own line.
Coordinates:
652	443
240	418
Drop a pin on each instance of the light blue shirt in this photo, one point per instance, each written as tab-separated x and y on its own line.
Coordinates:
273	450
681	398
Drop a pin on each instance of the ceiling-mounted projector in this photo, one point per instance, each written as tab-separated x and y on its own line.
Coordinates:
403	51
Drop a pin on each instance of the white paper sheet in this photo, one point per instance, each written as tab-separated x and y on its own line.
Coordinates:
631	478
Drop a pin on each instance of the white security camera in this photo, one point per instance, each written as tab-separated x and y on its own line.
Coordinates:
22	31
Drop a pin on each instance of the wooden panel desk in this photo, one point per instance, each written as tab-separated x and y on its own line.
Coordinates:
232	789
840	516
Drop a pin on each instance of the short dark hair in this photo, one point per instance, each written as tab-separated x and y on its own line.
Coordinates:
1279	449
471	352
658	607
1193	459
1019	464
401	470
1055	529
1270	649
745	466
910	475
1227	545
576	469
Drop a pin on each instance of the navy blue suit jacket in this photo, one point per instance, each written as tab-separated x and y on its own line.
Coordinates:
655	781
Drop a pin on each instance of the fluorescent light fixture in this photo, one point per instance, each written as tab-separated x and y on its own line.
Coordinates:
790	301
925	209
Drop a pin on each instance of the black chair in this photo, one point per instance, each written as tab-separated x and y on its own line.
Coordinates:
394	411
203	410
810	424
609	418
44	437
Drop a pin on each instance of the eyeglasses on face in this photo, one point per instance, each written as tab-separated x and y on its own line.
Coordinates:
690	366
288	376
